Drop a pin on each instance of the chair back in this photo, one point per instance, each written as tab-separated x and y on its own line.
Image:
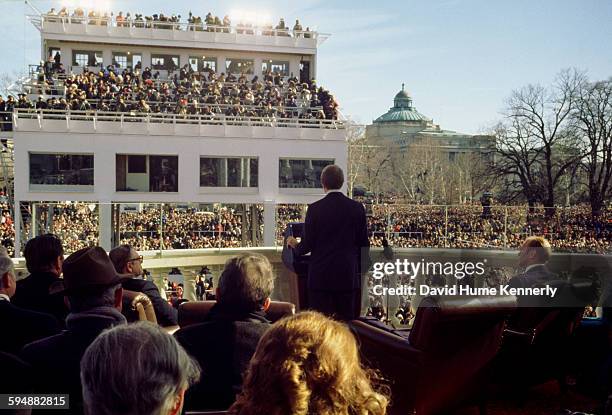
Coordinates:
193	312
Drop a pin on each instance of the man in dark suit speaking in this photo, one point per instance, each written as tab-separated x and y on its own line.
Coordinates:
335	233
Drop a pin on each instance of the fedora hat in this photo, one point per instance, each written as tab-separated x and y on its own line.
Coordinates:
85	270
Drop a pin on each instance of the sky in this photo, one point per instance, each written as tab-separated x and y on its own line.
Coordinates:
459	59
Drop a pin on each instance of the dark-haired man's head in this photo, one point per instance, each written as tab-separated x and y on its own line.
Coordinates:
332	177
126	260
44	253
246	283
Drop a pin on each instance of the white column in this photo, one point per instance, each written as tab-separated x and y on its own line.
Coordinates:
257	69
66	57
183	59
221	64
269	217
223	172
146	59
107	57
33	220
17	223
294	67
105	225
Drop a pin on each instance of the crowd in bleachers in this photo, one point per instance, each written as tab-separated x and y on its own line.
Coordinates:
7	227
210	23
184	92
570	229
184	229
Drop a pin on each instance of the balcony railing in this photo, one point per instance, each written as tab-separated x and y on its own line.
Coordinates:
150	28
124	118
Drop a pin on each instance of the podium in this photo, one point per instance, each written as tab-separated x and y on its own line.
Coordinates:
297	266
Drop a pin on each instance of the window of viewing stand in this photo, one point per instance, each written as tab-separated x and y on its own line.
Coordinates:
87	58
229	171
301	173
165	62
203	64
48	169
280	67
146	173
125	60
240	66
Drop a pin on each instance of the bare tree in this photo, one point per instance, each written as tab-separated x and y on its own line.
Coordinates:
517	162
421	172
593	118
538	142
356	153
9	83
473	173
375	172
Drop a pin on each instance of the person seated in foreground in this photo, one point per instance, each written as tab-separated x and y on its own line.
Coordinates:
44	256
309	364
94	293
136	369
225	341
126	260
533	257
19	326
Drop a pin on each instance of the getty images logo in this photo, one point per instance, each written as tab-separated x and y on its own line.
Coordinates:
413	269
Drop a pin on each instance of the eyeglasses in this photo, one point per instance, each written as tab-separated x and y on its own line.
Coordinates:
139	258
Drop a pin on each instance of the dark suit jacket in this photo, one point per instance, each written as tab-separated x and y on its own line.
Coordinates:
535	276
16	375
56	360
335	232
166	315
21	326
33	293
223	345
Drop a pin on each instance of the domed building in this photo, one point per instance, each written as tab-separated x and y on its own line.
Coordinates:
403	125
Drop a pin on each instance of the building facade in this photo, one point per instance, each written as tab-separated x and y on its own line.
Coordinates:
403	126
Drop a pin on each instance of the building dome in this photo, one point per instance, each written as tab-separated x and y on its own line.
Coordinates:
402	110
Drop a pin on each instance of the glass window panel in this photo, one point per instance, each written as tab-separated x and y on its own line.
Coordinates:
87	58
239	66
280	67
62	169
301	173
165	62
146	173
228	172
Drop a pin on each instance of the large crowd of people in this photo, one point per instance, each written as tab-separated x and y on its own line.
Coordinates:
570	229
184	92
210	23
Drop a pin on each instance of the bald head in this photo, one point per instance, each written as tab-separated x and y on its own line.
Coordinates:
332	177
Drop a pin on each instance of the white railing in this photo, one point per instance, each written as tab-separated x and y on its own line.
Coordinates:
185	26
169	118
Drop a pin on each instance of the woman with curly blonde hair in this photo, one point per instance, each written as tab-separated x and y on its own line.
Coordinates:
308	364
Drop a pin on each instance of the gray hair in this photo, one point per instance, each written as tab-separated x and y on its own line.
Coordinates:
104	297
6	265
135	369
246	282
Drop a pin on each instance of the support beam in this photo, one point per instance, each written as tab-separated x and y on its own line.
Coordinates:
105	226
269	223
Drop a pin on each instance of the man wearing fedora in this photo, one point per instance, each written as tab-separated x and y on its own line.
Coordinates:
92	289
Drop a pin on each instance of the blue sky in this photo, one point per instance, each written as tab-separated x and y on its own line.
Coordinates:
459	59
